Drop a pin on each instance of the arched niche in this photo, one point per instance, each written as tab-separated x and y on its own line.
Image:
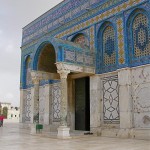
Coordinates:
47	59
81	39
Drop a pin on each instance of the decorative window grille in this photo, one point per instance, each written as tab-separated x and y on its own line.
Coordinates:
111	100
141	38
109	53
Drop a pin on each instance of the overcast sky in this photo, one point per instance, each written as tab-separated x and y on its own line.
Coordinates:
14	15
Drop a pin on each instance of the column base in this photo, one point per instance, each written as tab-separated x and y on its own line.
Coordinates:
63	132
32	129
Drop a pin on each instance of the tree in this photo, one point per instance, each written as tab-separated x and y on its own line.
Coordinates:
5	112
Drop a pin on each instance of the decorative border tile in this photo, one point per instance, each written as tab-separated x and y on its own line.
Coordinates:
100	17
121	50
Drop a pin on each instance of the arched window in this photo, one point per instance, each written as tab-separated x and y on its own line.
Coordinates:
140	34
109	52
28	71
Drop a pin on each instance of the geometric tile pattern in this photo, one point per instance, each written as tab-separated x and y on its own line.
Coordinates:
28	72
42	101
71	28
65	13
141	36
27	106
56	94
126	5
70	55
92	39
121	51
79	57
82	41
109	52
111	100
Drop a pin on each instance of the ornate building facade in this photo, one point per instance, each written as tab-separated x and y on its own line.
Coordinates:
85	65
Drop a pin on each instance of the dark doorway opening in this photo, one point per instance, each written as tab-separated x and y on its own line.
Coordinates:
82	104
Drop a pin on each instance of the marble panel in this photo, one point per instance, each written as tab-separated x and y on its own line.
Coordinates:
56	96
27	105
124	77
125	120
142	120
125	98
141	74
95	101
110	100
42	99
141	95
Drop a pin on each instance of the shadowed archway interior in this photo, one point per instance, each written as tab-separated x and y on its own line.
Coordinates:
47	59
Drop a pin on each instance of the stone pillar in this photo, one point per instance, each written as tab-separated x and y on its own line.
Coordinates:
22	115
35	100
125	100
95	103
63	130
47	105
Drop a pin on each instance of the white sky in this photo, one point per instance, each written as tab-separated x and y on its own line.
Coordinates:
14	15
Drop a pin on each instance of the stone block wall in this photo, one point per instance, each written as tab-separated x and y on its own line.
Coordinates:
134	103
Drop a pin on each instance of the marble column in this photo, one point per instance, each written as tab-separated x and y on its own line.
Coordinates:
63	130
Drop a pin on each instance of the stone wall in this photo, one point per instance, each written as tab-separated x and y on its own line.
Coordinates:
134	104
141	96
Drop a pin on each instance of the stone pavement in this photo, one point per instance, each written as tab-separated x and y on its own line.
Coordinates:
13	138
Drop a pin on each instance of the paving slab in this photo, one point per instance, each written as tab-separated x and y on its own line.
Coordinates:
14	138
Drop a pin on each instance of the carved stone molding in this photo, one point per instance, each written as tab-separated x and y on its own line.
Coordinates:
35	80
40	75
74	68
63	73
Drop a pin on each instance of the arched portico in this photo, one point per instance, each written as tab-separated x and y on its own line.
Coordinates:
49	63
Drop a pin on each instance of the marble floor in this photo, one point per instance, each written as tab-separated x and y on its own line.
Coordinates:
13	138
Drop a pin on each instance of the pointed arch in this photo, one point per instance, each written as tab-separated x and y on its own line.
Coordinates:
138	37
107	47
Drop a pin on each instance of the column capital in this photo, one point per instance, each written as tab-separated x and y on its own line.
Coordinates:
63	73
35	80
63	70
35	77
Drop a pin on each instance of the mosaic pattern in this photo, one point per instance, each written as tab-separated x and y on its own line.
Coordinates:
92	43
56	94
82	40
28	70
42	29
121	51
64	13
79	58
42	99
111	100
70	56
27	106
141	36
126	5
109	52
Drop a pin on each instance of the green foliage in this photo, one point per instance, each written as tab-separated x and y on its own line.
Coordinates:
5	112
